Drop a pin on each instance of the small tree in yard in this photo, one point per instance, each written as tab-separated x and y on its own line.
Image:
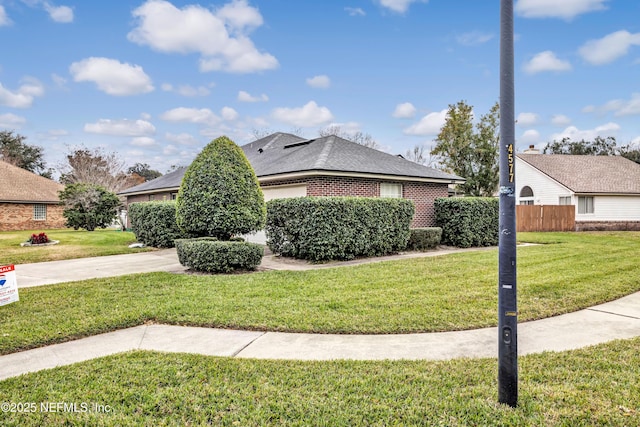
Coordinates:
219	197
88	206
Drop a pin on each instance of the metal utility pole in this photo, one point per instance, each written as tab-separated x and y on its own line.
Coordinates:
507	306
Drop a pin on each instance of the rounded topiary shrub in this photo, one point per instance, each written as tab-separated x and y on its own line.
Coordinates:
214	256
220	195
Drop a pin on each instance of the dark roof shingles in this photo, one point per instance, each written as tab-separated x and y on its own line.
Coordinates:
283	153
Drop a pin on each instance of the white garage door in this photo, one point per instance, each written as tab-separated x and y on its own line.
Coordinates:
276	192
284	191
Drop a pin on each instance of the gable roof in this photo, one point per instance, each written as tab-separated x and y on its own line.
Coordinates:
283	155
19	185
589	174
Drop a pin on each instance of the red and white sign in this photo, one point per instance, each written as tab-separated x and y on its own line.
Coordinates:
8	285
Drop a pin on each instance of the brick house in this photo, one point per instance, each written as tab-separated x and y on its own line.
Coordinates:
290	166
28	201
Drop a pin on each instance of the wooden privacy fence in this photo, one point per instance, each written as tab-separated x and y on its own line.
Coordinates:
545	218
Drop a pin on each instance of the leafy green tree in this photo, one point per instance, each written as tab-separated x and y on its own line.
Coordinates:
631	152
471	153
598	147
89	206
144	170
14	150
220	195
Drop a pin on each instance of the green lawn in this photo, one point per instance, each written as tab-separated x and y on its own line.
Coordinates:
566	272
73	244
593	386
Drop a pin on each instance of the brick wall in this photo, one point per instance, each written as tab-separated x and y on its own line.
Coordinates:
423	194
19	216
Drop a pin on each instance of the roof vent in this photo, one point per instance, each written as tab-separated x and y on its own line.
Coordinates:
297	144
260	150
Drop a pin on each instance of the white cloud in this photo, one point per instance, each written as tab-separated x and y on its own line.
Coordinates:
121	127
182	138
589	109
319	82
608	129
229	113
560	120
4	18
60	14
11	121
609	48
564	9
112	76
220	38
355	11
429	124
306	116
345	128
473	38
246	97
530	137
546	61
143	141
186	90
399	6
202	116
59	81
622	107
527	119
23	97
405	110
56	133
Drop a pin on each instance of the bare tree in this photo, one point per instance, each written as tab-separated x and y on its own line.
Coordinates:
357	137
94	167
422	155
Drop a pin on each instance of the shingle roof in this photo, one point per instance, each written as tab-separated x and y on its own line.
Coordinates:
20	185
283	153
589	174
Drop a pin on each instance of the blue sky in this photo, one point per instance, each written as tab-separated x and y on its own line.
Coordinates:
156	80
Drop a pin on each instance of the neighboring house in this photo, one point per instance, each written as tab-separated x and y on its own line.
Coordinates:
28	201
605	190
290	166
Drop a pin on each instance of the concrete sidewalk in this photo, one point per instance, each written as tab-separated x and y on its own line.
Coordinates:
602	323
614	320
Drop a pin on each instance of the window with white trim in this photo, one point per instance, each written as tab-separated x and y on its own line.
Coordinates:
391	190
39	212
526	195
564	200
585	205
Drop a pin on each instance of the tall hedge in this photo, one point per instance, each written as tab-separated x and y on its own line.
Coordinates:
468	221
154	223
340	228
220	195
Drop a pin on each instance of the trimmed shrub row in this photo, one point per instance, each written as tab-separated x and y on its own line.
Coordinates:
425	238
212	256
337	228
154	223
468	221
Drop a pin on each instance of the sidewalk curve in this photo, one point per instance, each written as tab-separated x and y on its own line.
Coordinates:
618	319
